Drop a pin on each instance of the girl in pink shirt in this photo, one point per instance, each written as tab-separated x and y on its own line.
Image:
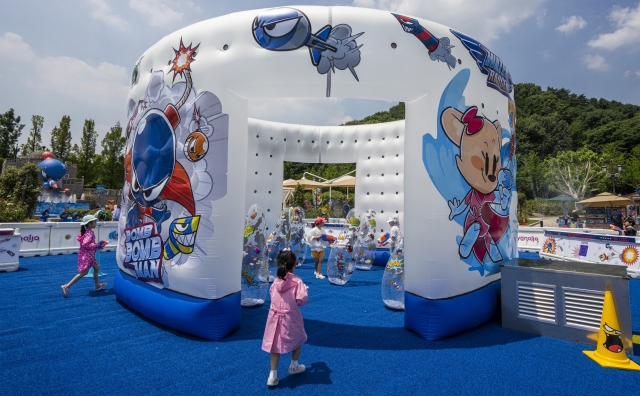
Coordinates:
87	254
285	328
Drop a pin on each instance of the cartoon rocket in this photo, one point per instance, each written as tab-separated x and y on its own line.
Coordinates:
439	49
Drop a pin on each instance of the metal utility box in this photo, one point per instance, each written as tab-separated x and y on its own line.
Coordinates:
563	299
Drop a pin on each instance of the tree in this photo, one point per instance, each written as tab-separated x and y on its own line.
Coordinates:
112	158
10	131
298	196
574	172
34	141
61	139
20	187
87	149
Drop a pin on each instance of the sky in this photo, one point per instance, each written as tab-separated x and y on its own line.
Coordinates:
75	57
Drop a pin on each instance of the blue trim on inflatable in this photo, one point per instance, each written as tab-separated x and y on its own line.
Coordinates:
437	319
382	257
209	319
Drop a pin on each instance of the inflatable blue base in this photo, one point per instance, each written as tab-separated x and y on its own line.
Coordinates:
437	319
382	257
209	319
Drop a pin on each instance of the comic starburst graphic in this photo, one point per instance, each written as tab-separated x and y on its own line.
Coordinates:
182	61
629	255
549	246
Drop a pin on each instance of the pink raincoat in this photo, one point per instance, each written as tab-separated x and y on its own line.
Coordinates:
285	328
87	251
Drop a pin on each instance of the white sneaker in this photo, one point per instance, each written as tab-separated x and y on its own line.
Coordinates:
297	369
320	276
272	381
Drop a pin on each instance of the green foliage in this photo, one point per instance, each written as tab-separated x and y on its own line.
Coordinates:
298	196
20	189
395	113
87	150
574	172
34	141
61	139
10	131
110	164
11	212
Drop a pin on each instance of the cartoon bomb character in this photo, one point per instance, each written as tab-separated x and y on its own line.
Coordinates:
613	342
196	146
182	237
479	163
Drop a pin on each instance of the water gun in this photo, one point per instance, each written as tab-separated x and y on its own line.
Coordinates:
328	238
384	239
102	244
615	228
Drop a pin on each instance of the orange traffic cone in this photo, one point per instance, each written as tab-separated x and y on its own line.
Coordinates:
610	350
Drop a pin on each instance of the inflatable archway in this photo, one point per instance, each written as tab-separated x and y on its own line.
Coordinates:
195	162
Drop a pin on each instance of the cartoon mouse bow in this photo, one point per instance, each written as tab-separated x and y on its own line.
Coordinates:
474	123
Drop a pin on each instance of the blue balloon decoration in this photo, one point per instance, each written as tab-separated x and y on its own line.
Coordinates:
45	185
51	169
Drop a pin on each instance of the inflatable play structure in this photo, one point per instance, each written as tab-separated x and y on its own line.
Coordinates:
195	163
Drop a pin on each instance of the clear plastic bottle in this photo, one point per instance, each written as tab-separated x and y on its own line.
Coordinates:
255	269
296	239
393	279
277	241
366	249
342	259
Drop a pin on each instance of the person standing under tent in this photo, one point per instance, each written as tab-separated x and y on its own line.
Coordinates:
395	235
116	214
574	217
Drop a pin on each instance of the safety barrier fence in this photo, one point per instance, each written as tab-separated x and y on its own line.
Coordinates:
44	239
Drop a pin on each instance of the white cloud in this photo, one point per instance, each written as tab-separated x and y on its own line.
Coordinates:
158	13
12	47
485	21
627	22
541	14
102	12
72	78
571	24
595	62
306	111
627	74
637	73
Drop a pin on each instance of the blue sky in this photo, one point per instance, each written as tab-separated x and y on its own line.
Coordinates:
75	56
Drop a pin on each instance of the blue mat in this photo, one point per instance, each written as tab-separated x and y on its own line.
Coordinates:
92	344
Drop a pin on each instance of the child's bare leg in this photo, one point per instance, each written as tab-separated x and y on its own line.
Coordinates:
96	273
275	359
77	278
296	353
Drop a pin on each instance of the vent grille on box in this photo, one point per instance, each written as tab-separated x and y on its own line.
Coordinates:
583	308
537	302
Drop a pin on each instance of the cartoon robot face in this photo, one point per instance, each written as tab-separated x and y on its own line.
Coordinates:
182	236
613	342
281	29
196	146
153	157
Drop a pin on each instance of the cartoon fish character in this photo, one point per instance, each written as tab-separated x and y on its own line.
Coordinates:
613	342
182	236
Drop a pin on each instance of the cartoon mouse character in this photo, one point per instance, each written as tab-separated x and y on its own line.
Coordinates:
479	163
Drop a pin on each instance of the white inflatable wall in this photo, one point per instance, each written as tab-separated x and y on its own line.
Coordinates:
188	121
376	149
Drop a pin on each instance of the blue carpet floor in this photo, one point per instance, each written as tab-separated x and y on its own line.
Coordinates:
91	344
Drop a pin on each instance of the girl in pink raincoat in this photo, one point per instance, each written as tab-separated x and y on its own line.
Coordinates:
285	328
87	254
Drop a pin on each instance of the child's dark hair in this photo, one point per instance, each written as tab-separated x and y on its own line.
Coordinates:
83	229
286	261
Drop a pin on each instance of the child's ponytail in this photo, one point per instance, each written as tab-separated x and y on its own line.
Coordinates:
286	261
83	229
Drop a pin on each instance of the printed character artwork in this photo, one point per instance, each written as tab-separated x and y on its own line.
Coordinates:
175	167
366	248
471	163
277	241
613	340
498	77
136	72
330	48
255	269
549	246
393	279
439	48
